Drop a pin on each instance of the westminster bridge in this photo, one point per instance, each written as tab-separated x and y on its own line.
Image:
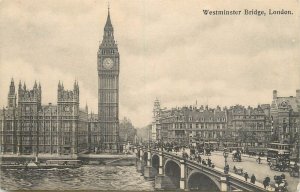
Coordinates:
172	171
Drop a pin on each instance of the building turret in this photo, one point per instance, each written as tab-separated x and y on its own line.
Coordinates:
156	109
76	91
12	87
35	85
34	95
12	98
68	98
24	86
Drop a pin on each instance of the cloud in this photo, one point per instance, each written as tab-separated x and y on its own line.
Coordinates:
168	50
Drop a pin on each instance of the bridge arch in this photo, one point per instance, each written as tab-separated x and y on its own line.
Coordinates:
201	182
172	171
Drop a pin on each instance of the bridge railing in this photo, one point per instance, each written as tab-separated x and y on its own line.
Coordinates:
234	180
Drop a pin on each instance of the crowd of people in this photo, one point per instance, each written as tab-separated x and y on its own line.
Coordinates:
195	156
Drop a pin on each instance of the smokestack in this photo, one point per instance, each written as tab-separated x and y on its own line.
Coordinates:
298	94
274	94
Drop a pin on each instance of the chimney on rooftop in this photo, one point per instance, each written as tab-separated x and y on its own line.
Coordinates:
298	94
274	94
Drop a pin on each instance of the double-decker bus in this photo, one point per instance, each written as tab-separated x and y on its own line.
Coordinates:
211	145
278	151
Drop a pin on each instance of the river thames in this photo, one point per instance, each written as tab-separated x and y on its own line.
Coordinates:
84	178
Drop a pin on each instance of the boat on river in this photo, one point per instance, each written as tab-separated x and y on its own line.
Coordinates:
50	164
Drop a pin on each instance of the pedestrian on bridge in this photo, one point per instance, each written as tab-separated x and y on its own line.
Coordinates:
253	178
259	160
266	182
246	176
199	159
209	162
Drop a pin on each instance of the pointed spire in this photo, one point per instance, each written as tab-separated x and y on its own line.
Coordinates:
108	21
24	86
12	87
35	84
20	85
12	82
86	107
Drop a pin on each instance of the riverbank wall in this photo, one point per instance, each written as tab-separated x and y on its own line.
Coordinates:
88	159
107	159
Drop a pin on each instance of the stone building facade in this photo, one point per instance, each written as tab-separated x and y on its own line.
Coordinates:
190	123
285	115
237	124
250	127
28	127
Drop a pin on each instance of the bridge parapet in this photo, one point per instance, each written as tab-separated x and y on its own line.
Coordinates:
188	169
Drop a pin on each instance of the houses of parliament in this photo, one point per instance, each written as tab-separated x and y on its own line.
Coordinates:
28	127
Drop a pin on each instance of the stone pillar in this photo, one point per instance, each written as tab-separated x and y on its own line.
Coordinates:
182	174
160	169
139	162
141	155
149	158
223	184
149	171
160	178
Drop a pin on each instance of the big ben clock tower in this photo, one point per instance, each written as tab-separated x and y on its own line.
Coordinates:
108	90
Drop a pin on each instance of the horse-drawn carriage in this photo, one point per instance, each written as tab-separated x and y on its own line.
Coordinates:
279	164
236	156
201	151
207	151
280	183
238	170
294	170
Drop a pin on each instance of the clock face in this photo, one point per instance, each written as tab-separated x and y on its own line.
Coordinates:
284	104
108	63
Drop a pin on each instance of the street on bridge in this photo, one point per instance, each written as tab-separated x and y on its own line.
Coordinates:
249	165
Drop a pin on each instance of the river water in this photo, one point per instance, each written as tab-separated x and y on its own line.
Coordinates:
84	178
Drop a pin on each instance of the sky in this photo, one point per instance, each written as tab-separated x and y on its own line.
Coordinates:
168	50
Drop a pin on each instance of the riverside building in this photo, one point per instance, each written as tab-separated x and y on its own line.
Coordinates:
28	127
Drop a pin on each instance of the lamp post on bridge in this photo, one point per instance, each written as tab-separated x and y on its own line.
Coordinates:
226	170
226	167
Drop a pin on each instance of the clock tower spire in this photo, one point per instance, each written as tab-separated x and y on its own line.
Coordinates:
108	65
